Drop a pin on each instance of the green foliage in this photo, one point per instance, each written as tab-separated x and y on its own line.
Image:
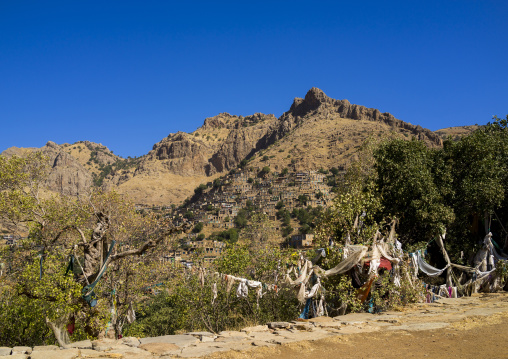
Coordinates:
217	183
413	186
241	219
303	199
26	304
189	215
230	236
186	305
334	171
264	171
198	227
198	191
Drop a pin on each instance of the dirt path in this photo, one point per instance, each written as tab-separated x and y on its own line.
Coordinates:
476	329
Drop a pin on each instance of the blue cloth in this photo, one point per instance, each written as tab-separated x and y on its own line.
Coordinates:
306	309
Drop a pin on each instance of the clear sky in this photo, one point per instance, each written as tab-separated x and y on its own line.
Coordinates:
128	73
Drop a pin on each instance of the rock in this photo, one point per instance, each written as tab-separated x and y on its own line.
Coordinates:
103	344
5	351
355	318
329	324
231	339
199	351
84	344
322	319
181	340
55	354
161	348
16	356
21	350
45	347
67	176
232	333
303	326
263	336
200	334
89	353
203	336
259	343
131	341
279	325
257	328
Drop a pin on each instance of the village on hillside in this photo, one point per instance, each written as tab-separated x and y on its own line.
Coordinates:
220	202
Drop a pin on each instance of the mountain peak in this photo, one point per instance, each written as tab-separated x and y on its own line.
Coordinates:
313	99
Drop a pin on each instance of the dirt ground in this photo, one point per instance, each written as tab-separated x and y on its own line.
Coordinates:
471	337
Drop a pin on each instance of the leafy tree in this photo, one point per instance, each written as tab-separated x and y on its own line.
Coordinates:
303	199
198	227
217	183
105	236
407	181
241	219
264	171
334	171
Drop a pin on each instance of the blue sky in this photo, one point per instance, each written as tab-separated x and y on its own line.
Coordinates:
126	73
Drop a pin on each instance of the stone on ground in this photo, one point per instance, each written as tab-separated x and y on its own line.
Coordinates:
181	340
55	354
21	350
161	348
5	351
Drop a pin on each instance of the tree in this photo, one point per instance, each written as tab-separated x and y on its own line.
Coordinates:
303	199
241	219
264	171
412	185
101	235
198	227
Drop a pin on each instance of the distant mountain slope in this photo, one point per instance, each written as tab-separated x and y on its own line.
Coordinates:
316	132
456	132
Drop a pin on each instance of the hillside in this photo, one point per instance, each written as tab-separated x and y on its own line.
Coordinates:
456	132
316	132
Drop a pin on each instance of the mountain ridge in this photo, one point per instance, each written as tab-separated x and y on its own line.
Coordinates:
316	132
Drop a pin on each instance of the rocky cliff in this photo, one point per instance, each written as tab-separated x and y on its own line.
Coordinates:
316	132
67	176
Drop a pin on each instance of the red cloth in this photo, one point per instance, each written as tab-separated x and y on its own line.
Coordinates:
385	263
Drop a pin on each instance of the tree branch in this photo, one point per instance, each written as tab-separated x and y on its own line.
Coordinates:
147	245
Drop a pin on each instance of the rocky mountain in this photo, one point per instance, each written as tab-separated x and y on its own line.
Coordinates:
66	174
316	132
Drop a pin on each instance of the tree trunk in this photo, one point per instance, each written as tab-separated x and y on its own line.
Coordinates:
60	331
94	251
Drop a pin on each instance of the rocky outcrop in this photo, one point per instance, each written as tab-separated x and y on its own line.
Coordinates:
67	176
222	120
179	153
248	136
317	104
